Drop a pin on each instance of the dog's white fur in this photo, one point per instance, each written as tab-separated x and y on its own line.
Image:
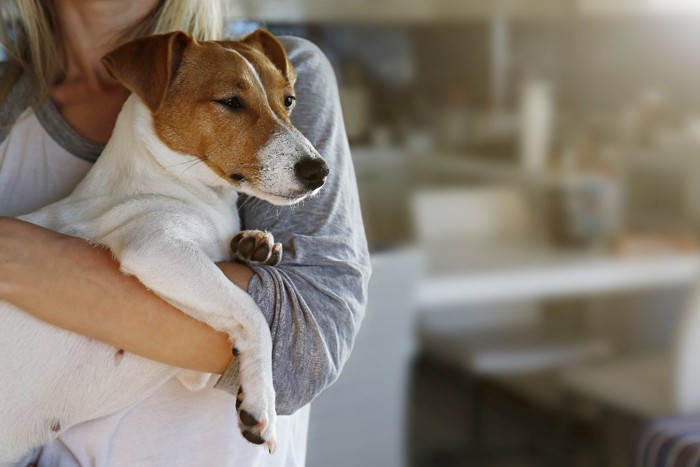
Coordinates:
166	223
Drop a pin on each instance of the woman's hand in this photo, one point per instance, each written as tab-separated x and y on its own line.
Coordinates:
74	285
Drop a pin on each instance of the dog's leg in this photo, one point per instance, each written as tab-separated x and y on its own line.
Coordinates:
257	247
181	273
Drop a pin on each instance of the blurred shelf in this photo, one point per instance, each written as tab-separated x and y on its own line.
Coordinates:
382	178
402	11
456	277
377	156
382	160
636	7
494	171
436	11
684	156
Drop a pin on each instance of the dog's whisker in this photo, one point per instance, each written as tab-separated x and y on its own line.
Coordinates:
249	200
275	209
200	159
219	176
178	164
254	202
192	165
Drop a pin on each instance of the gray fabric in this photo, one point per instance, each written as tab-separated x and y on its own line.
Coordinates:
314	299
65	135
20	98
16	102
230	380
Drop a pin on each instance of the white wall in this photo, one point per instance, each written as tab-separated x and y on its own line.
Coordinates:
361	419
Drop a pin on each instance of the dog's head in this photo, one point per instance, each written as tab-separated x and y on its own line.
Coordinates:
228	105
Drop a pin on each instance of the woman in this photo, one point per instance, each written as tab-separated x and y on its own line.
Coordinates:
57	108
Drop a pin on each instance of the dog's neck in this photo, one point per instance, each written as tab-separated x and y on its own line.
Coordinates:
135	162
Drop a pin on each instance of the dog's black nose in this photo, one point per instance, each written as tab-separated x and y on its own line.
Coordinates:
312	172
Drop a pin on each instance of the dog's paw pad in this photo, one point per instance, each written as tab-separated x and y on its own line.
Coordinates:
252	437
256	246
275	255
239	399
258	428
247	418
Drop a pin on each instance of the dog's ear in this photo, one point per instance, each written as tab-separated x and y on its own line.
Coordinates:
147	66
273	49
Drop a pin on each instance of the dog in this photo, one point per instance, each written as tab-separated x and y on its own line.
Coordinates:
205	121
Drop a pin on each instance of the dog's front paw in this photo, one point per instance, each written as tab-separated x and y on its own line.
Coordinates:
257	416
256	246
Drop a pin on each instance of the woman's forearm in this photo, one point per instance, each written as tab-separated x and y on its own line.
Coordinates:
76	286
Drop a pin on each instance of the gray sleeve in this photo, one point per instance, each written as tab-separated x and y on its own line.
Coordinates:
314	300
14	102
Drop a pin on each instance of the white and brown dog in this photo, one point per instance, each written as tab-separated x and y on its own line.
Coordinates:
205	120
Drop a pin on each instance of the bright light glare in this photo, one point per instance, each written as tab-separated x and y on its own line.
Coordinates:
671	6
638	6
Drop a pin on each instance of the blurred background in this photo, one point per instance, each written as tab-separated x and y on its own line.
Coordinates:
527	171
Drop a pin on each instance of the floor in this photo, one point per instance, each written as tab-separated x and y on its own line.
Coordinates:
515	430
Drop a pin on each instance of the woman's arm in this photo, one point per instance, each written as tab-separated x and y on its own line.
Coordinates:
314	299
77	286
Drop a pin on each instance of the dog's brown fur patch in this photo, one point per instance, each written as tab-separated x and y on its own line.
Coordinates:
189	116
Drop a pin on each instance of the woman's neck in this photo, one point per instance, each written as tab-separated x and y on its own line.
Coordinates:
87	97
90	29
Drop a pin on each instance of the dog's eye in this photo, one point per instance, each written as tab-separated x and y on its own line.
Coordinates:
289	101
232	103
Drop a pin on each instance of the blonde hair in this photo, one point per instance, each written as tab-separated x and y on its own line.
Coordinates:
32	39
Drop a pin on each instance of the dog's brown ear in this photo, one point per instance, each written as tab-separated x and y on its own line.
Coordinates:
147	66
273	49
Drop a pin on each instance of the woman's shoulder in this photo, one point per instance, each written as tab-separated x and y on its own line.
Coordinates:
13	82
4	70
15	98
307	57
298	45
